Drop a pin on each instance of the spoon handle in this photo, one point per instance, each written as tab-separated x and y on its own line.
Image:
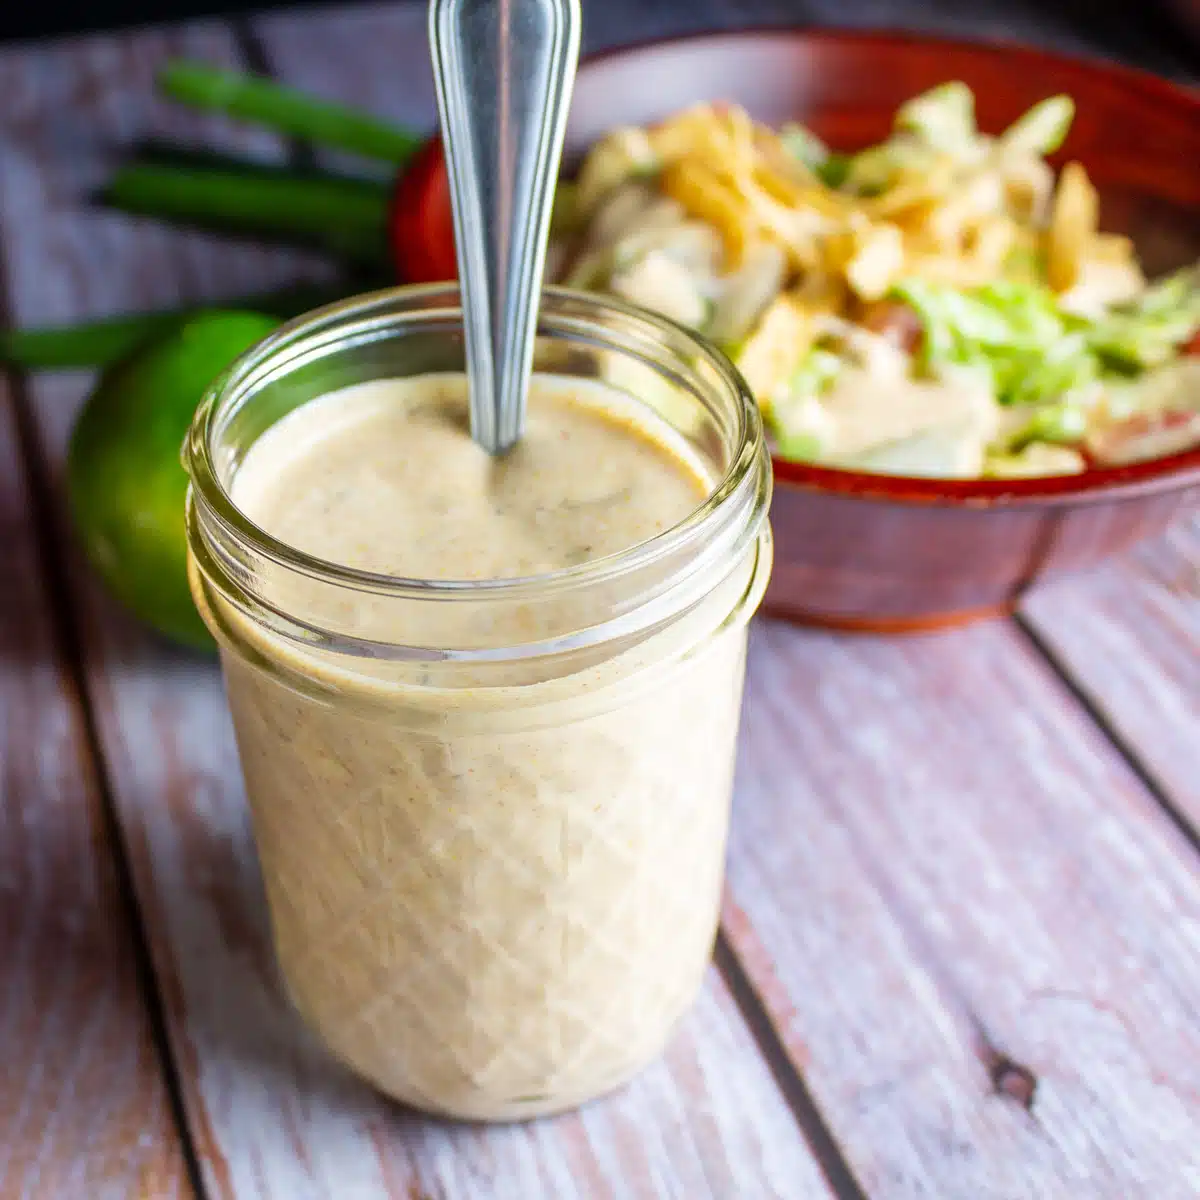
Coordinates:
504	72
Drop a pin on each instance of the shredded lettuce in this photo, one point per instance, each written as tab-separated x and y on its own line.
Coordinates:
1031	352
871	171
815	374
1039	374
1042	129
804	145
1062	424
943	117
835	169
1011	333
1149	331
939	121
797	419
961	325
940	124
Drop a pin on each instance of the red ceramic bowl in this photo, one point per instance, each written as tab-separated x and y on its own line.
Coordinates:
887	552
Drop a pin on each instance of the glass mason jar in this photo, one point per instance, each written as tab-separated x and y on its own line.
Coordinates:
491	816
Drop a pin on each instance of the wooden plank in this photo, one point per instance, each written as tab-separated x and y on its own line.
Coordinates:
83	1100
957	902
270	1115
1129	635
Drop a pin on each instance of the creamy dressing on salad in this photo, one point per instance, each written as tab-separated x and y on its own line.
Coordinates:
875	416
921	427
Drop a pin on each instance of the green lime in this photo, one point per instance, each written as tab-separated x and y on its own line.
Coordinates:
125	482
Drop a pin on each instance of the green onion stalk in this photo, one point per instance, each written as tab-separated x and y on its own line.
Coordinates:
101	343
344	216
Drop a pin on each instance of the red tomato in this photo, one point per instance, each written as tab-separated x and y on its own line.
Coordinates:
420	223
895	321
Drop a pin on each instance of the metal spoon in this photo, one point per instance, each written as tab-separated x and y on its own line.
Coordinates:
504	71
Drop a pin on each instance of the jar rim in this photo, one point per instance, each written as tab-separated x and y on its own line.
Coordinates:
286	345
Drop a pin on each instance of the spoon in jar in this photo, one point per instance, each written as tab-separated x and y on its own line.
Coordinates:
504	71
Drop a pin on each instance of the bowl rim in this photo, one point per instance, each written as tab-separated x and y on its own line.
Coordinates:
1095	484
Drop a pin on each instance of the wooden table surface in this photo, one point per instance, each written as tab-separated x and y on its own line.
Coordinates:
960	949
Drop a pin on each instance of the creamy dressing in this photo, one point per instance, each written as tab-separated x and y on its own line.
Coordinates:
865	411
491	901
384	477
876	417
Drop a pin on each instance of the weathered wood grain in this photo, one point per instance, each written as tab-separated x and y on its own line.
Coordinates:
1129	635
83	1102
270	1115
943	879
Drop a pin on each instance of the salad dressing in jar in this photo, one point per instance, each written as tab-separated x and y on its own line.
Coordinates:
486	708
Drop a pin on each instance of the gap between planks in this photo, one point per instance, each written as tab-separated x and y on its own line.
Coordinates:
1108	727
785	1071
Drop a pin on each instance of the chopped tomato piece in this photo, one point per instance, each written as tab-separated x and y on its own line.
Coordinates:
895	321
1144	436
420	222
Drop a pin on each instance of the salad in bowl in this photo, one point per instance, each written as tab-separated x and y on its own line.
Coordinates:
942	304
